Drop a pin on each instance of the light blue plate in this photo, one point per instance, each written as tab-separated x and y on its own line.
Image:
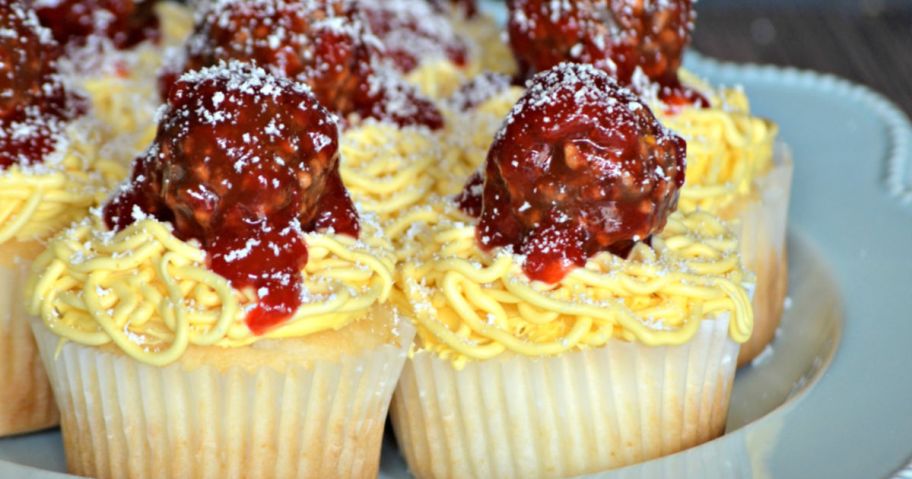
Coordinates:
803	411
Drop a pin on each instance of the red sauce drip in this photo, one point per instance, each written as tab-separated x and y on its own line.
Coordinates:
245	163
322	43
33	103
412	32
469	199
581	166
125	22
617	36
677	96
336	212
275	255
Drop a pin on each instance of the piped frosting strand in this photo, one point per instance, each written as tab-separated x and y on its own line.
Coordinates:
152	295
473	305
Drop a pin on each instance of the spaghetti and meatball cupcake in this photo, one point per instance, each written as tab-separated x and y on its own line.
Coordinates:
569	319
734	173
227	312
731	169
50	175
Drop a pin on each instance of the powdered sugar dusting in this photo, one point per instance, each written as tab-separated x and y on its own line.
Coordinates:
34	106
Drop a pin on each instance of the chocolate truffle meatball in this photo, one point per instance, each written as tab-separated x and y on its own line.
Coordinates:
617	36
27	59
239	144
124	22
580	166
322	43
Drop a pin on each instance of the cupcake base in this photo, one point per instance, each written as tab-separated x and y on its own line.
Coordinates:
577	413
768	303
762	235
28	404
312	407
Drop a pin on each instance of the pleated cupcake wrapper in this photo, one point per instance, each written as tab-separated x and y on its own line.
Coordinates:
763	249
576	413
125	419
27	403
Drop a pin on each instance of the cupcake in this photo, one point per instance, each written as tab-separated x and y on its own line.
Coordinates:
114	49
731	169
569	319
50	175
390	136
227	313
732	172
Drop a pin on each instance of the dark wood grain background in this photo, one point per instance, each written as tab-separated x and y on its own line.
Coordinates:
872	46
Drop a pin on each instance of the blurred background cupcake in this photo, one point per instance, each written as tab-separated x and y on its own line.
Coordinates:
732	169
51	173
227	313
113	51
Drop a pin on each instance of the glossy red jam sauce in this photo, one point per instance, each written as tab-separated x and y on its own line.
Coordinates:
34	105
323	43
245	163
618	36
413	32
124	22
581	165
469	199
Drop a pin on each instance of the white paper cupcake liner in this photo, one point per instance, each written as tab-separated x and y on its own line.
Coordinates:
124	419
763	249
27	404
576	413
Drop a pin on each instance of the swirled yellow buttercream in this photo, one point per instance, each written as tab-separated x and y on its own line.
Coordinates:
152	295
487	52
386	167
37	201
468	137
469	304
487	45
438	79
727	147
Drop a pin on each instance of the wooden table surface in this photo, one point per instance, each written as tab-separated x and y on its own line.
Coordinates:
869	47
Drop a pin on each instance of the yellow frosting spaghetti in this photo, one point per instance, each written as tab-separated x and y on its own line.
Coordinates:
472	305
487	43
385	167
487	53
440	78
727	148
152	296
468	137
37	201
